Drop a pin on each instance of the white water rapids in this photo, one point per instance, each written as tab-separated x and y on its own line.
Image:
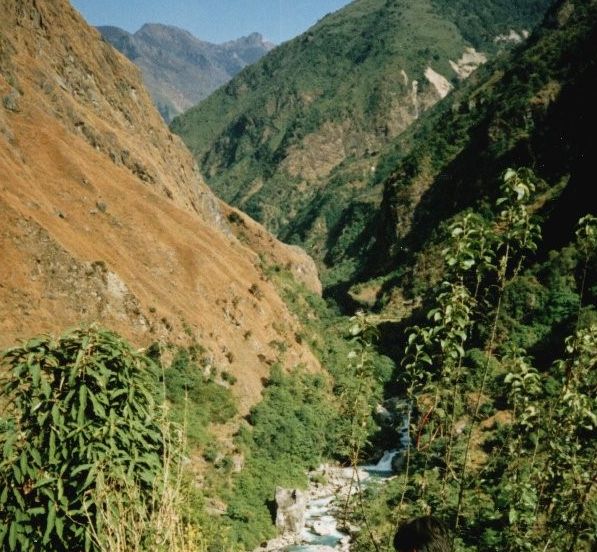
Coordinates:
321	533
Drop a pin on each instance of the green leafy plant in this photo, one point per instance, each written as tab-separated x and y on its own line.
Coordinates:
81	417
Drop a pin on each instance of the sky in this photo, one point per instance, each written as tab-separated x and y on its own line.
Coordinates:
212	20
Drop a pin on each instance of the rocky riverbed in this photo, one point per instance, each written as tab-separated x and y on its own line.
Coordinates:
309	519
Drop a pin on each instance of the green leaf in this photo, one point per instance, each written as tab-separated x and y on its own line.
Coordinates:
37	510
97	407
52	446
35	374
509	174
34	343
82	404
49	523
43	482
56	415
12	535
17	473
45	388
18	497
36	456
59	527
426	358
468	264
82	467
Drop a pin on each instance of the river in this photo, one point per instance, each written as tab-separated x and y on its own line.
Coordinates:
325	502
321	512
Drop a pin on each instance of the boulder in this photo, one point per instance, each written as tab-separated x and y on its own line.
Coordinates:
383	416
324	527
398	462
290	510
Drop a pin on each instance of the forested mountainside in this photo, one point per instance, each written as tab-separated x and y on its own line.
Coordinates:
487	301
179	70
302	127
105	217
529	109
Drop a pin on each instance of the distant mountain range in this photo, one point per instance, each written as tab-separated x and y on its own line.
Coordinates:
179	69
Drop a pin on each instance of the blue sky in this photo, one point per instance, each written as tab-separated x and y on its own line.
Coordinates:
212	20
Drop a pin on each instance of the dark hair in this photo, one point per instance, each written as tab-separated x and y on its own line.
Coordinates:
422	534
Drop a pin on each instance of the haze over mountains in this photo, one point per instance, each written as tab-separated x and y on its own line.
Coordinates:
179	70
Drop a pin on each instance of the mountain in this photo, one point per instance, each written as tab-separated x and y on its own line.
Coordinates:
529	109
105	218
293	139
487	229
180	70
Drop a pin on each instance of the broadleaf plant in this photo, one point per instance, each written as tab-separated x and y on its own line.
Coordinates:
80	411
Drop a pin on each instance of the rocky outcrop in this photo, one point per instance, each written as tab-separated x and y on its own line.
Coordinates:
290	510
320	506
442	84
468	62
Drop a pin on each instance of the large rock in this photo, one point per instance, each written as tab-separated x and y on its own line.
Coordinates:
324	526
291	505
383	416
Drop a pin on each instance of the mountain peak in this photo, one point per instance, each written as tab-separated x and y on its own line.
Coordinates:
178	68
253	39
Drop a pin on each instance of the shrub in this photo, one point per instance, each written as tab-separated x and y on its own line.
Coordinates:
81	418
196	399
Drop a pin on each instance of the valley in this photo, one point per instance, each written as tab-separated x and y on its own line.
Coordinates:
353	286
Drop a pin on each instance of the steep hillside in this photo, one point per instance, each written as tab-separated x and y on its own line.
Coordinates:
180	70
486	255
530	109
105	218
284	135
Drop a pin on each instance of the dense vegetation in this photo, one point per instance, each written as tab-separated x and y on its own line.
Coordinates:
527	109
80	434
501	373
305	419
328	101
497	352
194	391
93	451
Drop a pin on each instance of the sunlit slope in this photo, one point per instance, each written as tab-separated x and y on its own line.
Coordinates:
105	218
272	139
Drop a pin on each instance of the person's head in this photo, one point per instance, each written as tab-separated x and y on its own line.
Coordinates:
423	534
